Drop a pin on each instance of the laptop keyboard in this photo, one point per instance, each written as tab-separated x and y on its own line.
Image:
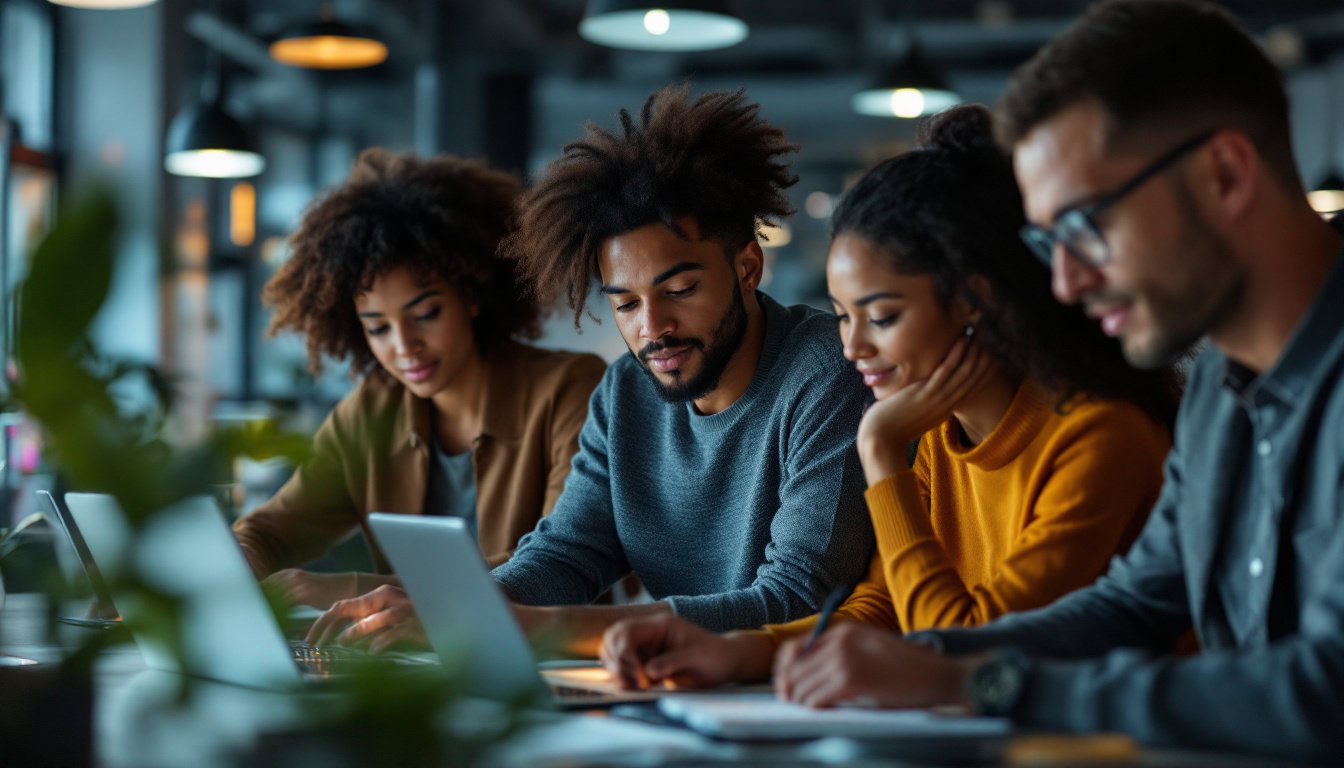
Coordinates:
325	660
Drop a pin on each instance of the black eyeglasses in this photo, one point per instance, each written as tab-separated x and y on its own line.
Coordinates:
1076	228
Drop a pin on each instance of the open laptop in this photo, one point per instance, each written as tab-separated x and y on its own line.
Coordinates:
57	513
466	617
229	631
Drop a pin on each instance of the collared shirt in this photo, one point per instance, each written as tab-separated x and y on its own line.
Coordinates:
1250	561
1247	543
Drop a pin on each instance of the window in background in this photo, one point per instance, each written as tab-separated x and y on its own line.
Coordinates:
26	61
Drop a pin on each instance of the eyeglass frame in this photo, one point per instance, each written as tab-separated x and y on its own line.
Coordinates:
1041	241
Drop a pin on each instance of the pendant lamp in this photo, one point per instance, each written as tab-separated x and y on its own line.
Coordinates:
103	5
1328	194
328	43
909	88
204	140
678	25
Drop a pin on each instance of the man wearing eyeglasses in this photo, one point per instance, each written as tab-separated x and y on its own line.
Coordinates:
1151	141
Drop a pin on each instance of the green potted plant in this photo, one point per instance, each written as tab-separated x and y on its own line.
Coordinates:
66	385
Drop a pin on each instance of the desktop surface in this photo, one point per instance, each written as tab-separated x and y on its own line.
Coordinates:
137	723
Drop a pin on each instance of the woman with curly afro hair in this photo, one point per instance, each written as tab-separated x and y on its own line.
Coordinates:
396	271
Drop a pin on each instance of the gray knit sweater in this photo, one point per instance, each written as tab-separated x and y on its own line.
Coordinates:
740	518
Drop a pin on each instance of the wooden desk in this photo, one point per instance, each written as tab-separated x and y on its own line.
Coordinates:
139	724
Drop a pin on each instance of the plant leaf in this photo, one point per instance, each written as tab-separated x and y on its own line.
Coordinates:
68	280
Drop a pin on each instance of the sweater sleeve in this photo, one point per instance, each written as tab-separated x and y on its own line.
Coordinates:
310	513
869	603
1099	485
575	552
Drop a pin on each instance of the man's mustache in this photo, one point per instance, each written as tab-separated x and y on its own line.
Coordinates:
667	343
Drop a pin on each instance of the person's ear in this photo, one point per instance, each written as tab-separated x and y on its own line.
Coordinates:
968	313
1234	169
472	302
749	265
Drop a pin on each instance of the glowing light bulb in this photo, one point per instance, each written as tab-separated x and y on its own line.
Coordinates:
907	102
657	22
1326	200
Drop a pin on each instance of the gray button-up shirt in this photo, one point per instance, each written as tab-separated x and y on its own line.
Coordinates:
1246	544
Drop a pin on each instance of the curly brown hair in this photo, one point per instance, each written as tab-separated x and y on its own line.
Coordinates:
711	158
438	217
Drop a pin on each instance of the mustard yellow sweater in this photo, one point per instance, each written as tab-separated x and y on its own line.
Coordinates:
1033	512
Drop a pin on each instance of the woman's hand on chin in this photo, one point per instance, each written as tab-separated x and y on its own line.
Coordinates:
894	421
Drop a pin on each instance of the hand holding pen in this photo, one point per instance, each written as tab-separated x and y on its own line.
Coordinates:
828	608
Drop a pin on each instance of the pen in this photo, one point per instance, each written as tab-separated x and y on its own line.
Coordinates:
833	601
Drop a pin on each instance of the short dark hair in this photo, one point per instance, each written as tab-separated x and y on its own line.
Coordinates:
713	159
1183	65
438	217
950	209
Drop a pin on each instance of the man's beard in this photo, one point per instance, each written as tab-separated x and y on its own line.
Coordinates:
1212	291
727	339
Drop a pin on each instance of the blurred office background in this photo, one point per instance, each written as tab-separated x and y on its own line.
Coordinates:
93	94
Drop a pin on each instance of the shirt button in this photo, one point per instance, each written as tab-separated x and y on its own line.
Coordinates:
1257	567
1264	448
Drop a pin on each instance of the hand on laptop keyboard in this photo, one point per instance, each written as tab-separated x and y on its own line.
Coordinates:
384	617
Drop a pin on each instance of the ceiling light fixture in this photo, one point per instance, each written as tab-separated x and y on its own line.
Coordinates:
1328	194
204	140
103	5
679	25
910	88
327	43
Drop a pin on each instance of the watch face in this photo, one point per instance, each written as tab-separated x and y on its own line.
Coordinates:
996	685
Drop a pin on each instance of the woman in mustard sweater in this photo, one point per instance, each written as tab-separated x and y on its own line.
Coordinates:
1040	450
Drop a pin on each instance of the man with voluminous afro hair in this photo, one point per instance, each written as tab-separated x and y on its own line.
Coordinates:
717	461
712	158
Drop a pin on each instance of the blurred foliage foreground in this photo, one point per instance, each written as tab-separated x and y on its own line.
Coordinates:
380	715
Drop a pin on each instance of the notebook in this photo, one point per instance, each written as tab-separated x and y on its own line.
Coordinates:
762	716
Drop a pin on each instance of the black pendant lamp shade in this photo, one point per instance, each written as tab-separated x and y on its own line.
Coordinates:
678	25
910	87
204	140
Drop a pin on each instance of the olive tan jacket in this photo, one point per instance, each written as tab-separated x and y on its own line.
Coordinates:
372	454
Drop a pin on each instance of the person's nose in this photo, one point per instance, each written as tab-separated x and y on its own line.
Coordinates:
1070	277
854	339
655	321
